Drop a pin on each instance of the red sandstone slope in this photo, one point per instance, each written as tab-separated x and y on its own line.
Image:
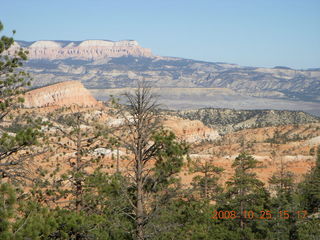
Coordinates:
60	94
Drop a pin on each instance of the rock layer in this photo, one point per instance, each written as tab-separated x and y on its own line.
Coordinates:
86	50
60	94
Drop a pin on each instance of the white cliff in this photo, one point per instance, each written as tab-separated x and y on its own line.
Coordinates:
86	50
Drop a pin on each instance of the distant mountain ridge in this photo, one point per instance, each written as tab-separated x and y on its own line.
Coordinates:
102	64
228	120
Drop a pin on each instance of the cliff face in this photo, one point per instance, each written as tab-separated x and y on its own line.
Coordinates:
60	94
86	50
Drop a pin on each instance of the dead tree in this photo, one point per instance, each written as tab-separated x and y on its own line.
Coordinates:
156	155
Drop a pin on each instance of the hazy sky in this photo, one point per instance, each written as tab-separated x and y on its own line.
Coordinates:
263	33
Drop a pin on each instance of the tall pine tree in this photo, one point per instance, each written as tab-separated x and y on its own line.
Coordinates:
246	196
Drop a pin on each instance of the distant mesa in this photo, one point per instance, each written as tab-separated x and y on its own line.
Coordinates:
60	94
44	44
86	50
102	43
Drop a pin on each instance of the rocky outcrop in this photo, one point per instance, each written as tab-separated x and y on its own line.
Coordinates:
86	50
191	131
60	94
187	130
228	120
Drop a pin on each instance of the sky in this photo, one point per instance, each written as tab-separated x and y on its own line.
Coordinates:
264	33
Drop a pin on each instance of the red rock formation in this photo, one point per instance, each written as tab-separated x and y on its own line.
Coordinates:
60	94
192	131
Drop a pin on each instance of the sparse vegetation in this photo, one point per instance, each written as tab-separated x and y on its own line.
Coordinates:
76	190
228	120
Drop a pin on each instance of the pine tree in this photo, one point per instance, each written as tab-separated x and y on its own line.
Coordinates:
7	211
104	196
309	193
15	138
310	188
284	200
75	136
206	183
12	78
246	196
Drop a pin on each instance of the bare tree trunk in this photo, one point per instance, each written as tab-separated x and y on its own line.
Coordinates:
141	123
117	164
242	203
139	171
206	180
241	215
139	204
78	182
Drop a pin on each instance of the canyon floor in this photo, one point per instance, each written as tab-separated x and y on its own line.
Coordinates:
287	146
278	143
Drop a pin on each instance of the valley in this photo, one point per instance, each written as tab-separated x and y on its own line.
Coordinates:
188	84
274	138
159	120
